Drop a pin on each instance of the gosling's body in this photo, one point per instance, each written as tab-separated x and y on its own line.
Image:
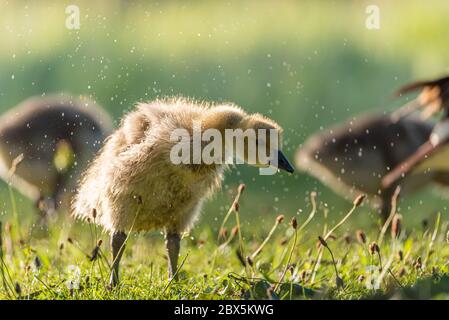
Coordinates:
134	163
354	156
134	186
35	128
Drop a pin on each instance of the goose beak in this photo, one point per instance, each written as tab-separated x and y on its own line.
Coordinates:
283	163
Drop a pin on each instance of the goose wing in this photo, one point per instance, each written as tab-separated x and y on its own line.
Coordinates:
432	155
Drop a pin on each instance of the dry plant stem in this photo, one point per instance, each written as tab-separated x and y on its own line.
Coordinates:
270	234
319	255
394	202
333	261
394	278
288	260
312	213
324	244
237	218
176	272
227	242
380	260
387	269
342	221
231	209
328	234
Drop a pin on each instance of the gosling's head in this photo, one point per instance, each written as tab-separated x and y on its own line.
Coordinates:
250	138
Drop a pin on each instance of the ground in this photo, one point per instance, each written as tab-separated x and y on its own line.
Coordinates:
288	262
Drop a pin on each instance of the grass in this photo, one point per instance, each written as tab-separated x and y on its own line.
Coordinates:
293	260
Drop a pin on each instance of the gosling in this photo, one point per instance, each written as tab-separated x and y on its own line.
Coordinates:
41	129
133	185
353	157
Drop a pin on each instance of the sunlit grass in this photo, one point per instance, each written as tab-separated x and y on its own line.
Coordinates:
60	264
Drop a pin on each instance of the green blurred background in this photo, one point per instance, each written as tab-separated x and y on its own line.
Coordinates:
306	64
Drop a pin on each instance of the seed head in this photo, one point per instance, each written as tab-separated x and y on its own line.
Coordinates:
18	289
241	187
235	230
374	248
249	261
396	226
37	262
361	237
223	233
94	213
424	223
347	238
400	255
294	223
418	263
280	218
359	200
339	282
322	241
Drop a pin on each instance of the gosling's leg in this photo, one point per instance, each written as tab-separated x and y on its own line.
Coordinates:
118	246
172	242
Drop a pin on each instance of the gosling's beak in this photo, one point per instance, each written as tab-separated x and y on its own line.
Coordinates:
283	163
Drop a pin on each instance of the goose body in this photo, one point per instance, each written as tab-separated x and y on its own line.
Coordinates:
354	156
133	184
35	129
134	164
432	156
